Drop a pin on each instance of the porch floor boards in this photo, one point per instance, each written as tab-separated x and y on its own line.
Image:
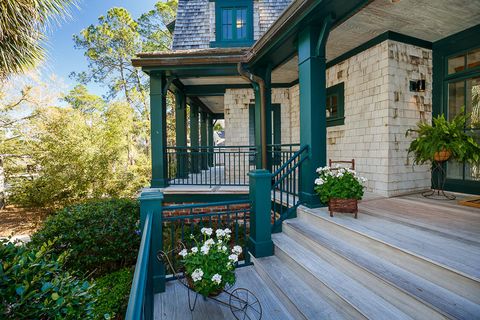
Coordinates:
173	303
441	231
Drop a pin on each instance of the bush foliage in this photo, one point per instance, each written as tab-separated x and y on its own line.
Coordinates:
113	291
101	235
35	285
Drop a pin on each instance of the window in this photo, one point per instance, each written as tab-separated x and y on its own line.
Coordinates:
233	23
466	61
335	105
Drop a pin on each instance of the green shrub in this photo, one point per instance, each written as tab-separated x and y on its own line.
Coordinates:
35	285
113	291
101	235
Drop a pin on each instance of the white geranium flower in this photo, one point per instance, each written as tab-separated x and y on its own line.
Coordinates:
205	249
197	275
183	253
227	231
194	250
217	278
209	242
220	233
207	231
233	257
319	181
237	250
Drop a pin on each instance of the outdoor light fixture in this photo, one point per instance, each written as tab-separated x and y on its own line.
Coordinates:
417	86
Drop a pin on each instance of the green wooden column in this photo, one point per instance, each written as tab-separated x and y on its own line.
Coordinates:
210	139
313	124
195	163
265	73
260	240
158	129
203	141
181	134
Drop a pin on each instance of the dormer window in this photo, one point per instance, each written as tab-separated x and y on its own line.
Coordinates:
233	23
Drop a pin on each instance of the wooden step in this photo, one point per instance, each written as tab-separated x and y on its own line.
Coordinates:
306	264
405	247
299	297
412	294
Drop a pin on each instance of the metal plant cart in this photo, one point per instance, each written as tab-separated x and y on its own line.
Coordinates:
243	303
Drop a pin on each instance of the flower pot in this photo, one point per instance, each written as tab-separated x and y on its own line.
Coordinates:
192	286
441	156
343	205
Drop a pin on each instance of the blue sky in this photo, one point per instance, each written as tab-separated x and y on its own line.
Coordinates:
63	58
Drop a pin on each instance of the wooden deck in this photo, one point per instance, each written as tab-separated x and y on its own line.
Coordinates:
173	303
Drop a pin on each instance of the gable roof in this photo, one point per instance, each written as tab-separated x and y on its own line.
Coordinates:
195	18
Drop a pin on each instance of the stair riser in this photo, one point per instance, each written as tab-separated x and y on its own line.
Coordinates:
277	290
446	278
319	286
403	301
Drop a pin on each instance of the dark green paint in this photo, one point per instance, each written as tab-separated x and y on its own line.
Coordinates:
313	124
260	240
158	131
234	42
194	139
210	139
339	91
203	140
181	131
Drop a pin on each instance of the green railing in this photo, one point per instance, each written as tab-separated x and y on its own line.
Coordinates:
210	165
285	192
140	304
281	153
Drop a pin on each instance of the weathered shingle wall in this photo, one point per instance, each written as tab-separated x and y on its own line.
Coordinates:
194	27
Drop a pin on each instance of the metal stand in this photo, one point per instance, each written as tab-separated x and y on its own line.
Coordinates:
437	192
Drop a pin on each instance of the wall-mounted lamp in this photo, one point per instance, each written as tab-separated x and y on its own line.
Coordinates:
417	86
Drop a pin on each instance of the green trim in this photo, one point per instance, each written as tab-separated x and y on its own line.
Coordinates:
194	136
201	198
339	91
389	35
158	130
221	5
442	50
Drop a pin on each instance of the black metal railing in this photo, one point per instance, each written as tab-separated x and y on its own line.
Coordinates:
179	222
285	186
210	165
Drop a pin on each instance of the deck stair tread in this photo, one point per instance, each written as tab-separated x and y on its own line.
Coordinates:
456	255
436	297
456	223
368	303
308	301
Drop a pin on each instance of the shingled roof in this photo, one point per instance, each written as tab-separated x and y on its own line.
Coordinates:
193	23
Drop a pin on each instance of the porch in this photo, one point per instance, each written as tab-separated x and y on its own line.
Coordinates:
404	257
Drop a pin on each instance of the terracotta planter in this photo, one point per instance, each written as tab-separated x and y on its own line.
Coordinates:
441	156
211	294
343	205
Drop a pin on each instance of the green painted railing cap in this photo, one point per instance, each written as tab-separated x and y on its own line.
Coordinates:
151	195
260	172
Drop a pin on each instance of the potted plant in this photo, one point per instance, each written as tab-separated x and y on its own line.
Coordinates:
341	188
443	140
210	264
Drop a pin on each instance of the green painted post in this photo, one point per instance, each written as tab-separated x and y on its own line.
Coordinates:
260	240
313	124
158	130
181	133
152	201
210	140
194	137
265	74
204	141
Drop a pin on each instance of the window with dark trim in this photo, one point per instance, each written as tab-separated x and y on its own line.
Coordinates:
233	23
335	105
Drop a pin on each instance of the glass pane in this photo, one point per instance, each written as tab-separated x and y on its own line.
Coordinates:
473	101
456	98
227	22
332	106
472	171
454	170
473	58
456	64
241	23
